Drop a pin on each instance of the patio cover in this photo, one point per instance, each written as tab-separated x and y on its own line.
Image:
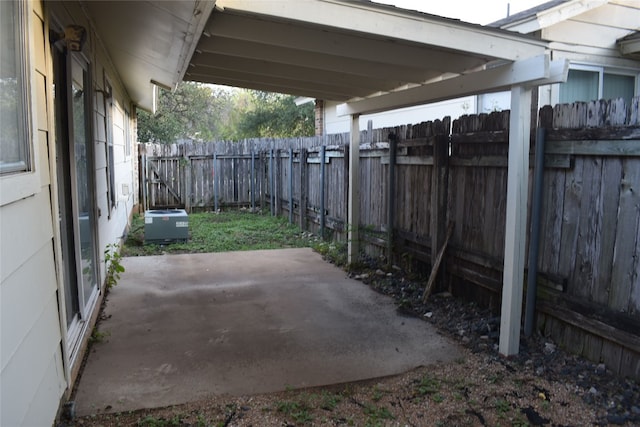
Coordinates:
371	56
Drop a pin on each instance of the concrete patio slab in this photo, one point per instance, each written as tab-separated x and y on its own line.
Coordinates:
184	327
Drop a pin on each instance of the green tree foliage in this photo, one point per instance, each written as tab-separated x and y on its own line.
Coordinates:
266	114
193	111
204	113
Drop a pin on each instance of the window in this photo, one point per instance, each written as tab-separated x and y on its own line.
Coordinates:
587	83
111	186
15	125
127	133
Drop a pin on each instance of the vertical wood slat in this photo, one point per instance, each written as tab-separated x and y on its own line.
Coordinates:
627	243
322	184
253	181
272	192
439	183
216	182
290	185
304	184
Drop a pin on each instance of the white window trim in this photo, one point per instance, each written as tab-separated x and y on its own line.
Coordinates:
128	149
109	105
20	185
601	70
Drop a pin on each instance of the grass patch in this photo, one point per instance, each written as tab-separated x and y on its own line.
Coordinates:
299	412
151	421
377	416
221	232
428	386
330	401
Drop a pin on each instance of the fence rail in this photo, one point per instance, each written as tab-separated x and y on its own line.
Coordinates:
417	179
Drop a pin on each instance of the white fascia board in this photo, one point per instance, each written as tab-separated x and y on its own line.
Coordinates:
558	73
552	16
413	27
534	71
628	47
301	100
202	12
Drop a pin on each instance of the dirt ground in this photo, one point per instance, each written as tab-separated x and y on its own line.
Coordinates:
476	390
541	386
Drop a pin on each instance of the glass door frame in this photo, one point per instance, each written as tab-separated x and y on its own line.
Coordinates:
87	299
76	312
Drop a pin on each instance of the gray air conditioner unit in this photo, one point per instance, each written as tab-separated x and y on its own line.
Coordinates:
166	226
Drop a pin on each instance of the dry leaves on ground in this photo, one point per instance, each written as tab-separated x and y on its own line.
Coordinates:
475	390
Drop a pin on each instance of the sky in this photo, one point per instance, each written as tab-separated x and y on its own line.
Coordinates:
474	11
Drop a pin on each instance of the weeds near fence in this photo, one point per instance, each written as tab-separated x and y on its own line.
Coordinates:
113	265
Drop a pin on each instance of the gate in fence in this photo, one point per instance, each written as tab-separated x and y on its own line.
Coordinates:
191	178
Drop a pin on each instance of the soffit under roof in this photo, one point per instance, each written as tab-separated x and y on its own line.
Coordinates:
326	49
343	50
149	41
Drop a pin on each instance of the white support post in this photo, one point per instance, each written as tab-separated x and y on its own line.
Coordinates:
516	221
353	214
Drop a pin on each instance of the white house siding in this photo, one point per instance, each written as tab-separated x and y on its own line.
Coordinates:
411	115
32	379
34	356
585	39
112	221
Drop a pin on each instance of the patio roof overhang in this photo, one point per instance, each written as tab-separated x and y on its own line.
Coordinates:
370	56
327	49
344	50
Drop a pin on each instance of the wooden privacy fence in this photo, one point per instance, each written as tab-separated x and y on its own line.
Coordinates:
415	180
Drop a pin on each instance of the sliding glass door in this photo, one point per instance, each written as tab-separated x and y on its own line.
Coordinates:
76	188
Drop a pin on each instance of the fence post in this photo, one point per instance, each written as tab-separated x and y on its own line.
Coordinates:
353	210
253	181
143	180
235	176
271	190
216	181
263	179
277	194
516	220
391	196
439	190
345	183
303	188
290	185
186	170
152	202
322	179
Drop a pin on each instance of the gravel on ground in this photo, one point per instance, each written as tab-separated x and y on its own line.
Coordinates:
542	385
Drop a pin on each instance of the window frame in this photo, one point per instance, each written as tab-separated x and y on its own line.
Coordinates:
109	149
127	133
17	185
601	70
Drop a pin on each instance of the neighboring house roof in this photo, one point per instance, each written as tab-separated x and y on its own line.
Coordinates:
546	14
526	15
600	24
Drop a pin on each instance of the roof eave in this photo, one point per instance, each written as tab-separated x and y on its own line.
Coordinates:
548	17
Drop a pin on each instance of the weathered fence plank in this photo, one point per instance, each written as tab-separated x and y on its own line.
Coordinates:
625	258
590	222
